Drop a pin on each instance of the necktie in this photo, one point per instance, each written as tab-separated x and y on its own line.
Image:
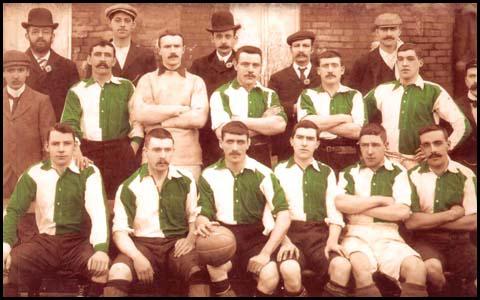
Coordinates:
42	62
15	102
302	73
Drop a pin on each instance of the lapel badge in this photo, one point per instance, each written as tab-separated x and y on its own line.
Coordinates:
48	68
306	81
229	65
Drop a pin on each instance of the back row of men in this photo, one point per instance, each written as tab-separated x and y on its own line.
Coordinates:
110	115
285	220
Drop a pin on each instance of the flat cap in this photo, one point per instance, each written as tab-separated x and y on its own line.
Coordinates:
128	9
471	64
301	35
388	19
15	58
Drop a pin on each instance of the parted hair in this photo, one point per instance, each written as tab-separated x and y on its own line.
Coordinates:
102	43
433	127
374	129
411	46
61	127
170	32
305	124
159	133
235	127
248	49
329	54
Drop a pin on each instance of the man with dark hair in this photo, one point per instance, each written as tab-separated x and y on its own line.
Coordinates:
63	195
337	110
99	110
246	100
27	115
410	103
444	206
374	194
466	153
154	223
289	84
50	73
216	69
172	98
378	66
242	194
310	188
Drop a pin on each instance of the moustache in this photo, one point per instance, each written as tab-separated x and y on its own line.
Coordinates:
225	47
434	155
162	162
389	38
102	64
473	87
331	76
301	55
172	56
235	153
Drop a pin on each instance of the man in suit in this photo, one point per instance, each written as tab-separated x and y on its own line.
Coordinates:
27	116
50	73
216	69
289	84
378	66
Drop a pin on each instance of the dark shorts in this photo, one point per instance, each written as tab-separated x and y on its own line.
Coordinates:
44	254
311	238
159	252
453	249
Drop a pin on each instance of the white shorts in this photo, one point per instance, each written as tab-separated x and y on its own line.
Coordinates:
381	243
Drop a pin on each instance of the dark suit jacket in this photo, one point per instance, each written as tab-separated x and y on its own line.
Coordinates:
25	132
289	87
368	72
466	153
55	83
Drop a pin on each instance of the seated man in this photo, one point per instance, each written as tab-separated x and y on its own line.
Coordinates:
444	206
241	194
63	194
154	223
374	193
310	188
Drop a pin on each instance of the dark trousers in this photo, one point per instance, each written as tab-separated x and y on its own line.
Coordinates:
114	158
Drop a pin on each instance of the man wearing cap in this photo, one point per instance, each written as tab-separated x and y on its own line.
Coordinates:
378	66
466	153
27	116
246	100
50	73
410	103
289	84
174	99
216	69
337	110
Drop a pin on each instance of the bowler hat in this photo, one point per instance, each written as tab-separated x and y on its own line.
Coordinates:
301	35
223	21
15	58
387	19
40	17
128	9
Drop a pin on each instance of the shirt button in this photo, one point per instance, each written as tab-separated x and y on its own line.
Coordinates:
58	203
436	200
59	189
306	194
236	200
374	184
102	110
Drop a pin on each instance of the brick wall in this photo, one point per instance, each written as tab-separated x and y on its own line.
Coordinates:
348	29
345	27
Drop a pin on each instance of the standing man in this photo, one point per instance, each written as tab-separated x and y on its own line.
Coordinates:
242	194
245	99
310	188
99	110
154	223
63	195
27	117
337	110
410	103
444	206
466	154
289	84
216	69
50	73
378	66
174	99
374	194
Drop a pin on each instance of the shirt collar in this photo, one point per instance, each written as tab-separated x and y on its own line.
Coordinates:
425	168
387	164
249	164
180	70
224	58
16	93
113	79
172	172
418	82
236	85
47	165
314	163
47	57
122	48
307	70
341	89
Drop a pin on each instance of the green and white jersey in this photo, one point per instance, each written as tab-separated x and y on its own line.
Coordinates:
311	192
140	209
231	99
252	196
405	110
99	113
390	180
433	194
317	101
61	202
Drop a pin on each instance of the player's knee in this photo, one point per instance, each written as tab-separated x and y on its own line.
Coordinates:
120	271
268	278
290	269
435	272
413	266
339	267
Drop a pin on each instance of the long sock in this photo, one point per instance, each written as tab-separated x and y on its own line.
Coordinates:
95	289
412	289
333	289
198	284
116	288
301	293
221	287
259	293
368	291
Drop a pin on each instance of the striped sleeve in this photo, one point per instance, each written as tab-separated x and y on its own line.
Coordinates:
191	209
470	193
121	219
275	102
333	215
97	209
346	184
137	131
401	189
305	106
218	114
274	194
371	106
415	206
206	201
72	113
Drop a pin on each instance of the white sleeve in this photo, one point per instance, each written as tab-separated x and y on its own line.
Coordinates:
218	114
333	215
